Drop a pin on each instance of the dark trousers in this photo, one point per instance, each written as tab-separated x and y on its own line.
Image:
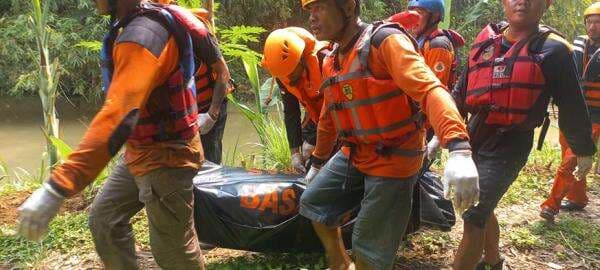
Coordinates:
212	142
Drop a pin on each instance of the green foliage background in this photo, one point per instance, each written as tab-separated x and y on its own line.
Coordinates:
74	21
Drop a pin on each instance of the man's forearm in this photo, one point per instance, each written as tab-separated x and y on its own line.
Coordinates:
221	86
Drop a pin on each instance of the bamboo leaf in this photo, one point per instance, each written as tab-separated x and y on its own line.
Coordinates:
90	45
64	150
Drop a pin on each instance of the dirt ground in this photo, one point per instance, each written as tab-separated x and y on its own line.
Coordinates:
409	257
415	258
10	202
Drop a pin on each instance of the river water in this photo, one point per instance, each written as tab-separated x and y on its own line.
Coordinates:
22	141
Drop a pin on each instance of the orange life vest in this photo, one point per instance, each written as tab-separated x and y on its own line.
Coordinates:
199	28
589	65
307	90
366	109
205	84
507	86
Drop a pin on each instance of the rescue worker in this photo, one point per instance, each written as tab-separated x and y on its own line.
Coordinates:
372	81
212	104
150	107
513	71
438	47
293	56
587	61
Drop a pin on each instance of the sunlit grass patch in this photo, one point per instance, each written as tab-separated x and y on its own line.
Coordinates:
273	261
430	241
533	181
67	233
580	236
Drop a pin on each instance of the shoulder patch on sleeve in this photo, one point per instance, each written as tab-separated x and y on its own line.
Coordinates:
441	42
147	32
382	34
556	38
552	44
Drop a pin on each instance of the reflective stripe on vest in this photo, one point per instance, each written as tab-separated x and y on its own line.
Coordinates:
171	111
589	69
205	84
509	85
365	109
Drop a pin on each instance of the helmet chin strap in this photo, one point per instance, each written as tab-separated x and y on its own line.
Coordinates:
112	5
347	19
430	25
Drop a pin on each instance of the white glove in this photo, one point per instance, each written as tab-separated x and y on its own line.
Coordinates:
206	123
584	165
37	211
297	163
307	150
433	148
461	180
311	174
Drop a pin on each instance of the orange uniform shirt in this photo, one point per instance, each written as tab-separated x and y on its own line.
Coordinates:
439	56
137	72
396	58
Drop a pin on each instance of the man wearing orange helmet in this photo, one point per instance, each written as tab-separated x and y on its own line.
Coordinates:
374	82
513	71
293	56
587	61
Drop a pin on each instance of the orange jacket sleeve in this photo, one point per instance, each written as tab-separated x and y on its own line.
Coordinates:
409	71
326	134
136	72
440	61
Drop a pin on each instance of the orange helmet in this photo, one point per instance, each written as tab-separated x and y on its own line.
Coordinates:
307	2
283	52
307	37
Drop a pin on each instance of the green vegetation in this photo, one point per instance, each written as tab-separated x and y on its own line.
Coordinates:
67	233
48	75
274	261
579	236
72	25
73	32
534	181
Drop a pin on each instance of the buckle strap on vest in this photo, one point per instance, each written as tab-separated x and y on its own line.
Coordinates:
490	63
495	108
389	150
414	119
544	131
588	87
364	102
344	77
383	150
484	90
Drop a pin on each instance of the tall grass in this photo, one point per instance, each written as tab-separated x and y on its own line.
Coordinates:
48	75
4	171
274	151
